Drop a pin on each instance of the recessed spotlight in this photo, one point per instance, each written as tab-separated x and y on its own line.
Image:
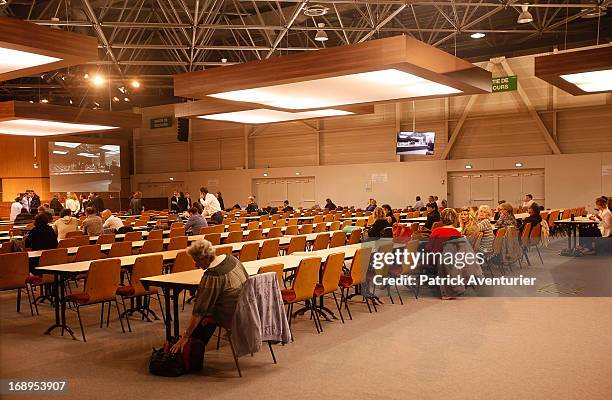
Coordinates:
297	173
321	35
224	60
135	84
126	99
70	101
518	164
171	178
31	101
86	76
44	101
525	16
121	89
115	99
265	174
477	35
468	166
98	80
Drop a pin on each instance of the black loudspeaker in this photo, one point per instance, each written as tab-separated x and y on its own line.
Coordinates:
182	134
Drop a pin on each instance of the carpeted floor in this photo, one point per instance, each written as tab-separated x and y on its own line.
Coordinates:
553	344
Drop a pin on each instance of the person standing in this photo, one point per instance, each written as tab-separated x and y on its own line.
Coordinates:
15	208
26	199
56	204
174	202
182	203
251	206
97	203
211	206
34	202
221	202
72	203
188	198
136	204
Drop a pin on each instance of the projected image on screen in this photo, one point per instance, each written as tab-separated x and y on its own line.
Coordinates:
415	143
84	167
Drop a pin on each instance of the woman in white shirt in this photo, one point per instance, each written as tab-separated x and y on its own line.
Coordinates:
72	203
15	209
599	237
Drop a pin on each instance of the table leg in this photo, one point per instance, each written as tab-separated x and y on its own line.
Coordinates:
175	299
60	307
569	236
168	313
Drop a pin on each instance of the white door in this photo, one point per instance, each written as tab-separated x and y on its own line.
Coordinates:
274	191
459	190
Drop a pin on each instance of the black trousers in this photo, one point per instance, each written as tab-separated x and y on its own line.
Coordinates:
204	332
217	217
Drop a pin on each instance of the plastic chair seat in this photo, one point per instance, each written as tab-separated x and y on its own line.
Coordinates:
80	298
288	295
125	291
346	281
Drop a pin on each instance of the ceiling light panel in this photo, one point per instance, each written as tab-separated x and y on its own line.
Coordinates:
14	60
32	127
264	116
594	81
367	87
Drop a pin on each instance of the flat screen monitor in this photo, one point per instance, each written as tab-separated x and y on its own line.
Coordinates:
415	143
84	167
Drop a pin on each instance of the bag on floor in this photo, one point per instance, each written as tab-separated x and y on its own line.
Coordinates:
165	363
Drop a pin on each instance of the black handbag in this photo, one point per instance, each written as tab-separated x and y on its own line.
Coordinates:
165	363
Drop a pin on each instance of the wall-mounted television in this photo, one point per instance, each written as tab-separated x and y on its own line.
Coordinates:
84	167
415	143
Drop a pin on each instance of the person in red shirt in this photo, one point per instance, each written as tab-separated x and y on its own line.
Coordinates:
448	230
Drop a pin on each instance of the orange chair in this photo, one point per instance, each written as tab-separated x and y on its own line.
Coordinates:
66	243
144	267
178	243
152	246
155	234
269	248
214	238
335	226
81	240
338	239
234	227
306	229
72	234
177	225
297	243
106	238
253	225
304	283
48	257
177	232
355	236
276	268
140	223
234	237
267	224
321	242
100	287
346	223
120	249
255	234
281	222
320	227
88	253
249	252
133	236
356	277
292	230
292	222
317	219
14	272
274	233
223	250
183	262
329	281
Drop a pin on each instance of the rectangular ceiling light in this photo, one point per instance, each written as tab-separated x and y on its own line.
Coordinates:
110	147
28	49
32	127
59	152
88	155
390	69
265	116
366	87
578	72
36	119
70	145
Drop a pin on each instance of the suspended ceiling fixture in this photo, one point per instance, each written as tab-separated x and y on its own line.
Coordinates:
578	72
29	49
36	119
244	113
390	69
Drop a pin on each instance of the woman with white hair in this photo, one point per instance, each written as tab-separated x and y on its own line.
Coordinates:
484	225
217	295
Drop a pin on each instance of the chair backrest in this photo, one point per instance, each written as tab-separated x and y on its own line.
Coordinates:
72	234
306	229
525	233
223	250
275	217
281	222
306	278
321	242
359	265
267	224
180	231
292	221
81	240
214	229
476	241
320	227
53	257
436	224
14	270
276	268
338	239
264	218
152	246
408	262
253	225
103	279
332	271
234	237
120	249
249	252
535	235
269	248
106	238
335	226
297	243
140	223
328	218
292	230
146	266
65	243
214	238
177	224
133	236
88	253
346	223
155	234
317	219
274	232
178	243
255	234
183	262
354	236
235	227
360	222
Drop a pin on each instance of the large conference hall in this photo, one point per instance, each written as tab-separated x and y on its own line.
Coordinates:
340	199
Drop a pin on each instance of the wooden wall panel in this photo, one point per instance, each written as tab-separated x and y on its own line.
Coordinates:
169	157
283	150
585	130
350	146
232	153
206	155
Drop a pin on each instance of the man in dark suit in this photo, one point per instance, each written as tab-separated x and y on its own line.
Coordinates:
97	203
174	202
34	203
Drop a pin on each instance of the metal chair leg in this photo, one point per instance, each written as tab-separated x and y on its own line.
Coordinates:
338	307
78	310
272	351
229	337
18	300
108	314
118	313
101	314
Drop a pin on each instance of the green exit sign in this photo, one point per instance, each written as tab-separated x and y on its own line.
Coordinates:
504	84
163	122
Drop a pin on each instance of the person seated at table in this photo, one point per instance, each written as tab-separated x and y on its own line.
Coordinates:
468	223
528	201
111	222
432	214
217	295
236	207
498	209
136	204
448	230
379	225
251	206
42	236
389	213
47	212
286	206
199	207
329	205
484	225
195	222
534	217
506	216
418	204
594	239
66	223
92	224
371	205
23	218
